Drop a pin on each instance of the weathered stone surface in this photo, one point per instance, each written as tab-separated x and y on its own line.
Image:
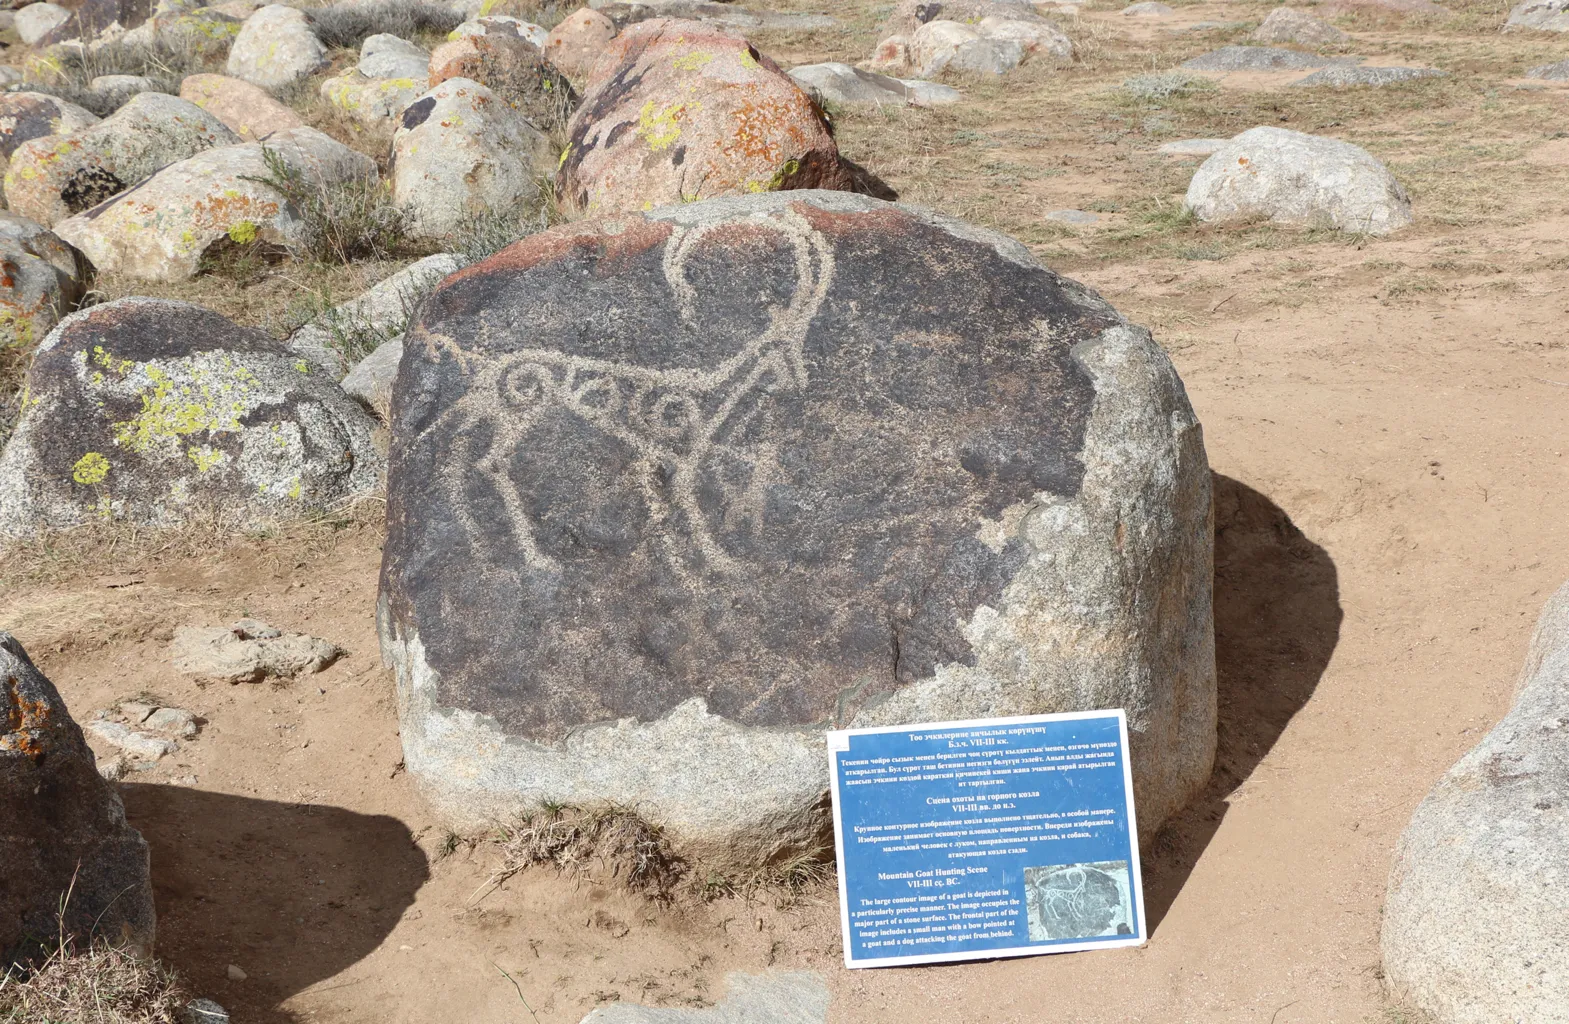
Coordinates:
578	42
382	312
117	89
910	15
503	25
148	410
38	280
372	101
388	56
202	29
1255	58
143	746
52	177
160	229
1292	178
33	115
651	533
460	151
1550	72
35	21
1539	16
62	827
371	380
679	111
931	94
248	652
276	48
1289	25
1037	37
512	68
940	45
850	86
1474	930
783	997
247	110
1343	75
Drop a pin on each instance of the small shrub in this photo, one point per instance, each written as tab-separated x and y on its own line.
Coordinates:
72	70
344	220
96	985
1163	85
573	839
348	25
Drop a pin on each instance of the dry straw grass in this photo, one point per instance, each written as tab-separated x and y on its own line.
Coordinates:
597	841
98	984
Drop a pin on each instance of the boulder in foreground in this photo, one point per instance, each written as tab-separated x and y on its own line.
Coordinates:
1291	178
152	411
650	534
62	828
1474	930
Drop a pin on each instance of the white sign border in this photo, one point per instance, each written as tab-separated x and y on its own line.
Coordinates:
839	742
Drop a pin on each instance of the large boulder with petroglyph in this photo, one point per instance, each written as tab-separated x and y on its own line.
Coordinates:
680	110
1289	177
161	230
461	152
53	177
156	412
1474	930
652	533
32	115
39	280
62	829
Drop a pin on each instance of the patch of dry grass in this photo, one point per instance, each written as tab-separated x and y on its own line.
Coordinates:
99	984
597	841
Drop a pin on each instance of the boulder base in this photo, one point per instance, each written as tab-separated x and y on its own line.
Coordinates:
650	533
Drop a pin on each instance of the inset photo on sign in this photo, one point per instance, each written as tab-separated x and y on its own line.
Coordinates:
1078	901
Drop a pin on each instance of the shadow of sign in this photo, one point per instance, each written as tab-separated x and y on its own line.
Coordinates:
1277	620
290	893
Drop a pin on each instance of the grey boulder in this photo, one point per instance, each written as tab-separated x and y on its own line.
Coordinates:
152	411
1292	178
650	534
39	280
116	89
388	56
377	102
1289	25
248	652
1558	72
1254	58
374	318
35	21
276	48
845	85
1539	16
372	379
1474	930
1343	75
62	828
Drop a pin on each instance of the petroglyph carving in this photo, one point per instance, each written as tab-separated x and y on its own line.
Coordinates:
686	424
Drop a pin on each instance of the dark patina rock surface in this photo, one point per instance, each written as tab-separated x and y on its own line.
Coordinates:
671	494
154	411
62	828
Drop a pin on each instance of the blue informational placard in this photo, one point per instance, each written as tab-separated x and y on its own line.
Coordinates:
1002	837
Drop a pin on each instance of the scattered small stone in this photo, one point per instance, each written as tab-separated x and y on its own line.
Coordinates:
1342	75
234	973
1148	9
1160	85
137	744
1289	25
35	21
248	652
1191	147
133	711
1073	217
1255	58
1558	72
204	1011
930	94
1535	15
172	722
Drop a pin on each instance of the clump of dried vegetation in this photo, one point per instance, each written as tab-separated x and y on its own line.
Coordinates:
94	984
347	25
70	71
598	841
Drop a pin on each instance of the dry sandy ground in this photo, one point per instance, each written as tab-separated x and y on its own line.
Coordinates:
1386	421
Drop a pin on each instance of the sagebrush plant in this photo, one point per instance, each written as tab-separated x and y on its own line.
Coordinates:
344	221
348	25
68	72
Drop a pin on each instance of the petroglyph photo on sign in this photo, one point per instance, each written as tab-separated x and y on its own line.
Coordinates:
670	492
1078	901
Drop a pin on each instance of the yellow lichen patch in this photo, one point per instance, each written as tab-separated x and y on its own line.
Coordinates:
108	362
661	127
302	366
169	411
779	177
748	61
244	232
205	457
90	469
294	492
693	61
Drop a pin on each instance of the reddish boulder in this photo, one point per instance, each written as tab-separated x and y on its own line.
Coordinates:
579	41
511	67
678	111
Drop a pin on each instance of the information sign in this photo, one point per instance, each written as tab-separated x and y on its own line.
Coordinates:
1001	837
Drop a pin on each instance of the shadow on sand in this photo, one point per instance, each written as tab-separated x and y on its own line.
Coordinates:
290	893
1277	620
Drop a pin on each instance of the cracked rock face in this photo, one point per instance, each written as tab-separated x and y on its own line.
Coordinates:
651	533
1474	928
60	820
151	411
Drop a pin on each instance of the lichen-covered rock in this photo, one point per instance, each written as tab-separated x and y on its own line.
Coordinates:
160	230
35	21
372	101
1292	178
577	43
1474	930
940	45
505	25
1289	25
512	68
249	111
650	533
389	56
1255	58
679	111
199	30
460	152
1539	16
248	652
62	828
276	48
53	177
33	115
38	280
150	411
